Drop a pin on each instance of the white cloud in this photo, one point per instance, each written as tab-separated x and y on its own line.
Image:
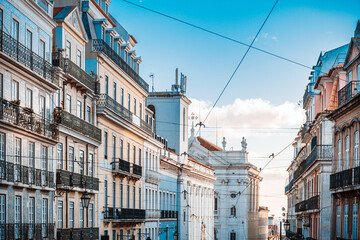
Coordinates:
274	38
265	35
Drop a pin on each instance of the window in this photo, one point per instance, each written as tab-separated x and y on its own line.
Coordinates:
31	154
338	221
339	155
134	154
114	194
122	97
91	215
355	221
31	210
15	90
91	165
60	214
68	103
71	159
114	235
232	236
18	212
216	204
129	103
105	145
346	220
106	85
140	156
121	149
2	209
1	19
1	82
349	77
114	149
121	195
15	30
82	161
71	215
128	152
140	109
17	170
68	50
42	106
78	57
81	215
42	49
356	148
106	194
78	109
29	98
29	38
139	197
233	211
347	152
134	106
2	154
88	113
184	217
114	91
134	196
128	196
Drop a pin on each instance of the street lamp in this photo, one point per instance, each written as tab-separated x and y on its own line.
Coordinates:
287	225
85	199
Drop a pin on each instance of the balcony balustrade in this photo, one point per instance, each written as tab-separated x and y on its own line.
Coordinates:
152	213
348	92
84	80
17	173
67	180
77	233
346	178
309	204
99	45
77	124
169	214
136	169
23	55
126	169
27	231
12	113
319	152
124	214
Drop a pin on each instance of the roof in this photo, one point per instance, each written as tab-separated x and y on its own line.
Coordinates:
60	13
208	145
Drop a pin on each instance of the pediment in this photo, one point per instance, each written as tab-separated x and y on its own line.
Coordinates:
353	51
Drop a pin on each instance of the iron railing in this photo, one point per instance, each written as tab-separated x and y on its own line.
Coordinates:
169	214
105	101
20	53
346	178
12	113
348	92
77	124
66	179
74	70
121	165
136	169
124	213
99	45
77	233
18	173
309	204
27	231
146	127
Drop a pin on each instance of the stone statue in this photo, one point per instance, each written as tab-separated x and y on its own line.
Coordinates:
203	233
243	144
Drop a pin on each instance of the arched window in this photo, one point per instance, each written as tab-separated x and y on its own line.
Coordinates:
233	211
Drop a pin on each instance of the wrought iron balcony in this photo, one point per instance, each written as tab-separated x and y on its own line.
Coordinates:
84	80
345	179
309	204
105	101
77	124
21	54
169	214
17	173
124	215
77	233
136	169
152	176
67	180
99	45
12	113
121	165
126	169
27	231
348	92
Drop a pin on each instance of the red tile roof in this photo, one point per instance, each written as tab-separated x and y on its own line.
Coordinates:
208	145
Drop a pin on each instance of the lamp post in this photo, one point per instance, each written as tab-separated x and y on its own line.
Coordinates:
287	225
85	200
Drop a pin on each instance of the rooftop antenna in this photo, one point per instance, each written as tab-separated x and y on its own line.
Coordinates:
152	81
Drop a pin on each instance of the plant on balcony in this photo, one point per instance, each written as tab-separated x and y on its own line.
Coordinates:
28	110
54	130
15	102
38	127
57	114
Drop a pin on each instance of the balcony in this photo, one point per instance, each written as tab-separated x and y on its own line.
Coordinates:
289	186
77	233
309	204
345	179
19	174
77	124
21	54
25	118
126	169
152	213
27	231
348	92
124	215
76	75
99	45
68	180
319	152
152	176
168	214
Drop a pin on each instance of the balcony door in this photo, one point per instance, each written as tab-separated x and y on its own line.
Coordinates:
18	217
44	217
2	215
31	154
44	165
17	172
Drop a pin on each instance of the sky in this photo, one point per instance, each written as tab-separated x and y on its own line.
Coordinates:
262	102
